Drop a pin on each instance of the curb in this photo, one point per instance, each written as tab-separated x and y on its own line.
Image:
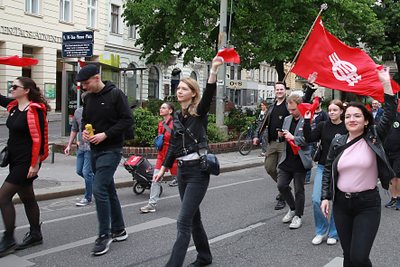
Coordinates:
123	184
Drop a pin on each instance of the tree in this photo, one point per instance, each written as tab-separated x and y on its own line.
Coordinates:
388	11
270	30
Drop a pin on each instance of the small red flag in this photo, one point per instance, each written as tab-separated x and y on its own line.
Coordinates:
304	107
339	66
18	61
295	148
229	55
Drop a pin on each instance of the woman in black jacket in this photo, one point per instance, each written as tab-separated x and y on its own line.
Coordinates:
188	142
354	163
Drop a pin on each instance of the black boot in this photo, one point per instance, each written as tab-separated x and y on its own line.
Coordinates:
7	244
32	238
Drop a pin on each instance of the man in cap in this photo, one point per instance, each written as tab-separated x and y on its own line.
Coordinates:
106	109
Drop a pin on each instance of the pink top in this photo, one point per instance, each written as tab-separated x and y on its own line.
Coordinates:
357	168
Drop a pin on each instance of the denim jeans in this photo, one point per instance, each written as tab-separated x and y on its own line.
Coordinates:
295	203
322	225
357	222
155	190
192	184
84	169
109	213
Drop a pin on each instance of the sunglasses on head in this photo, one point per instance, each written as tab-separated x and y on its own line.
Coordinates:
14	87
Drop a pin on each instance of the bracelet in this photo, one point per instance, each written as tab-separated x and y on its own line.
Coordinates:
213	72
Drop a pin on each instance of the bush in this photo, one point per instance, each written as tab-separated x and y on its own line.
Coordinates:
214	134
146	125
154	105
236	120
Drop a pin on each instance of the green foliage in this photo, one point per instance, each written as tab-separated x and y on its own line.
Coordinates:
153	105
214	134
146	125
236	120
268	30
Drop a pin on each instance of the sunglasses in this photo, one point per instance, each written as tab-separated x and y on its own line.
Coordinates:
14	87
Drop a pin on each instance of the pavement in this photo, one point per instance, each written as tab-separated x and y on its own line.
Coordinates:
57	176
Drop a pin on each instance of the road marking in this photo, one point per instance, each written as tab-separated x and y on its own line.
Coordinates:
138	203
236	232
15	261
336	262
132	229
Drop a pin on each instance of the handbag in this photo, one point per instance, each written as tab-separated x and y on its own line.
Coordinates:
159	140
4	160
208	162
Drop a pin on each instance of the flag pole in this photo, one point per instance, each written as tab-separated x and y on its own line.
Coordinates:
323	7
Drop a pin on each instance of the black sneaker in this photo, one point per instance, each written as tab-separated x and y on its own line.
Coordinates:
119	236
31	239
7	246
102	245
391	203
280	205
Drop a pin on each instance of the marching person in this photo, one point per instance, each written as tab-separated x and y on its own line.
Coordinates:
293	166
351	183
324	132
188	142
164	127
106	109
83	155
28	148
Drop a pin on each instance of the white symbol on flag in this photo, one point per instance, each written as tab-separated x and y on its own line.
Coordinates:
344	70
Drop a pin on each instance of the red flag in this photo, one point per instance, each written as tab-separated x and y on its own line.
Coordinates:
304	107
339	66
295	148
229	55
18	61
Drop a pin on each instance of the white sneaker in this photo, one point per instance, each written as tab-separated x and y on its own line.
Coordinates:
296	223
289	216
318	239
83	202
148	208
331	241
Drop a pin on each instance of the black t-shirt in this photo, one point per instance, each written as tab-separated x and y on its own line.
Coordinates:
276	118
292	162
392	142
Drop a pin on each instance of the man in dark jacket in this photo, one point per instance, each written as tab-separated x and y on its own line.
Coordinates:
106	109
272	124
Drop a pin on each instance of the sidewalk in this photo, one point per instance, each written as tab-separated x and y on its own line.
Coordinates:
59	179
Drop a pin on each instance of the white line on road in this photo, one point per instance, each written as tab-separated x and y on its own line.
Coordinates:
138	203
132	229
227	235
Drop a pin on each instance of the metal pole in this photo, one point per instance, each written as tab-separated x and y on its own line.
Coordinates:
222	70
78	87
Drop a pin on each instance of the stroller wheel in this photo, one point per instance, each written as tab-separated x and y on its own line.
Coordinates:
138	188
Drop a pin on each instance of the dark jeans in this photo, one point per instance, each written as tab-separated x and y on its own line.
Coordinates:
109	213
295	203
357	221
192	184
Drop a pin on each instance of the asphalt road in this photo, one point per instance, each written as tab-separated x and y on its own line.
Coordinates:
238	215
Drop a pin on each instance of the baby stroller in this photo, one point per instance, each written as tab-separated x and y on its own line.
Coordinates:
142	173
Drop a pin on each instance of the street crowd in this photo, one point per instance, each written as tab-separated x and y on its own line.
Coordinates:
345	196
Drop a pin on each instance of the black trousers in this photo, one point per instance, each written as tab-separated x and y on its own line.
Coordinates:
357	219
295	203
192	184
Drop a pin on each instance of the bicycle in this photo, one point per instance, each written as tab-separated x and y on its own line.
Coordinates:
245	141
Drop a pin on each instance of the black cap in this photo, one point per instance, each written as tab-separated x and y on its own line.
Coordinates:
86	72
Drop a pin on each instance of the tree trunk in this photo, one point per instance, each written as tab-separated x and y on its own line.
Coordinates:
279	66
397	75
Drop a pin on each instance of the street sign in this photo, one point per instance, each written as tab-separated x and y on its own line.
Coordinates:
77	44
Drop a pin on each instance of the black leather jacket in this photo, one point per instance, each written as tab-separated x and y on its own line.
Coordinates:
181	142
374	136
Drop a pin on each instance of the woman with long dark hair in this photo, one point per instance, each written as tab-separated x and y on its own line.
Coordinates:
28	147
188	143
353	165
324	133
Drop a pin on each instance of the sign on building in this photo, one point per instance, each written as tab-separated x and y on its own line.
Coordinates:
77	44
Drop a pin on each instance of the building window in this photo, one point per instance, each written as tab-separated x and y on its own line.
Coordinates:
114	18
91	13
132	32
193	75
239	72
232	73
65	10
153	83
32	6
